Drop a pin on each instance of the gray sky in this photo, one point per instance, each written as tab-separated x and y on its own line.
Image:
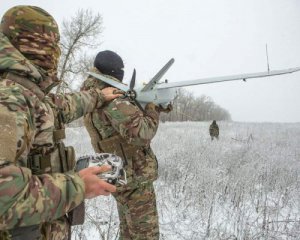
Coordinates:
207	38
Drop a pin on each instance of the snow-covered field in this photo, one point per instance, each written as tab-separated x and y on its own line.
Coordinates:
244	186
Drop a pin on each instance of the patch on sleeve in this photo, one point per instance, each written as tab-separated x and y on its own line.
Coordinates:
8	135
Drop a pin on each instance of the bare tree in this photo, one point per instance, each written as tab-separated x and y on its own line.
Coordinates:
79	34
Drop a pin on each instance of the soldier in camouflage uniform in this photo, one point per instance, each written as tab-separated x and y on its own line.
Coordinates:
120	127
214	130
37	185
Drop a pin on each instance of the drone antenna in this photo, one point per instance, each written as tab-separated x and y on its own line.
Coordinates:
267	58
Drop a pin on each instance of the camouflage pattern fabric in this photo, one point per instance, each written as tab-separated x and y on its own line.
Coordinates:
34	33
138	212
28	199
28	119
136	200
13	61
214	130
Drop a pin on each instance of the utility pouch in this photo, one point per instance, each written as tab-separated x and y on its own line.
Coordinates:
70	157
62	157
25	233
39	163
67	157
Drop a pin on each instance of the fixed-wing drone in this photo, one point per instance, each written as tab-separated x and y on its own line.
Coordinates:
163	93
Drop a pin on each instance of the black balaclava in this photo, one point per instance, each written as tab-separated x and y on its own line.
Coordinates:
110	63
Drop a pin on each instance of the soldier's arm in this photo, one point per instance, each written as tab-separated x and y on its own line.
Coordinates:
75	105
136	126
27	199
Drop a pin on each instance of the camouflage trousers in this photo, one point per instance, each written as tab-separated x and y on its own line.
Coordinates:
56	230
136	201
138	213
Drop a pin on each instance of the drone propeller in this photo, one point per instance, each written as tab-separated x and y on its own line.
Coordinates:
131	93
132	82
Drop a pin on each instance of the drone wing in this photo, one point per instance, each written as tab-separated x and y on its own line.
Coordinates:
110	81
227	78
158	76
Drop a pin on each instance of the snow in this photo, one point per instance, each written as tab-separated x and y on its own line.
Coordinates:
244	186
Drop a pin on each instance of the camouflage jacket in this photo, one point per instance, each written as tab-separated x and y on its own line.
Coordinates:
214	130
27	123
122	120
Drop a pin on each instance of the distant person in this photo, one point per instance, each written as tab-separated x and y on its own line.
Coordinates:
214	130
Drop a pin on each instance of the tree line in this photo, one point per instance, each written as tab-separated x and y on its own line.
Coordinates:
187	107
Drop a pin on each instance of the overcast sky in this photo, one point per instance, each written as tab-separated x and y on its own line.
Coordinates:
207	38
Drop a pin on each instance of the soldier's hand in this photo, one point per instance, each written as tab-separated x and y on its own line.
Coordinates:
111	93
151	106
94	186
159	108
167	109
